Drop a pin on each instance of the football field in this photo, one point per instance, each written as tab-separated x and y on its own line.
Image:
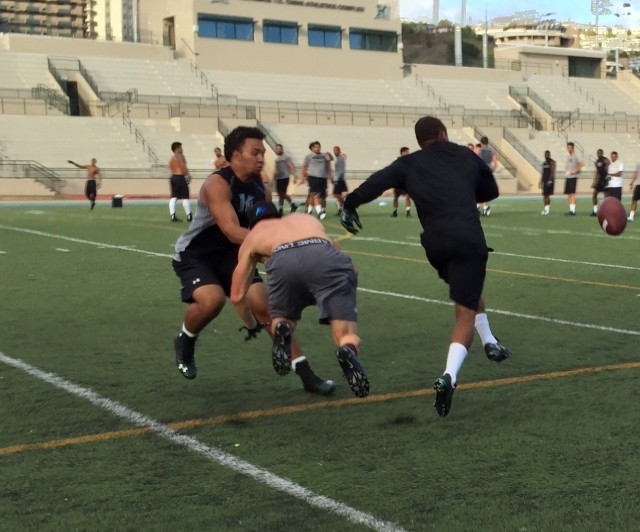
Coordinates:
99	431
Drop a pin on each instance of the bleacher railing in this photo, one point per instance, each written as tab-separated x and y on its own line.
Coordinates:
32	170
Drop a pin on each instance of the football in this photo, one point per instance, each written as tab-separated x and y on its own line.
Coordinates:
612	216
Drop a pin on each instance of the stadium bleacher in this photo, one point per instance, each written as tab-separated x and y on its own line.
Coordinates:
297	109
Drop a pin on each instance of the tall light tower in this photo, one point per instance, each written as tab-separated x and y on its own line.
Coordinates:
600	7
436	12
463	13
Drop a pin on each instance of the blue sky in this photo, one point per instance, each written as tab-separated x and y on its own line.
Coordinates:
579	11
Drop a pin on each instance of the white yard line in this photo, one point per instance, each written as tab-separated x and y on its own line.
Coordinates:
211	453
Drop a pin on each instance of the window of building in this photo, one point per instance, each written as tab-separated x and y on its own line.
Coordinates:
325	36
280	31
219	27
381	41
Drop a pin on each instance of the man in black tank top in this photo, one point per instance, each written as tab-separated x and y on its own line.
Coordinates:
599	180
207	253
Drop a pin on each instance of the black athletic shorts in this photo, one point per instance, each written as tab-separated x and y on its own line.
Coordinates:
179	187
614	192
600	185
214	268
318	185
570	184
460	264
548	188
636	193
282	185
91	189
340	187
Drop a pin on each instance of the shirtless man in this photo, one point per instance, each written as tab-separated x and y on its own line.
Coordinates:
219	161
94	180
180	179
304	268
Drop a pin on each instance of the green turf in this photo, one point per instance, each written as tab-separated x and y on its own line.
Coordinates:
92	298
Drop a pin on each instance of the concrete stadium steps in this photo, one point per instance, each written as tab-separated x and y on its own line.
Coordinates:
52	140
493	96
624	143
315	89
21	70
367	148
198	147
148	76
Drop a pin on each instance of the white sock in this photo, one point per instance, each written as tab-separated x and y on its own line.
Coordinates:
296	361
187	333
172	206
309	209
546	208
595	209
455	359
632	215
572	207
482	326
318	209
186	204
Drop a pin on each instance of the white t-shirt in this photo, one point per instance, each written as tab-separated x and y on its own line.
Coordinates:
615	181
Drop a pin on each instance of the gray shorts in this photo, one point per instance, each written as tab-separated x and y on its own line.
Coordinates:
312	272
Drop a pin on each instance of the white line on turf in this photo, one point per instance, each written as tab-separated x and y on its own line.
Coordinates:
393	294
212	453
508	313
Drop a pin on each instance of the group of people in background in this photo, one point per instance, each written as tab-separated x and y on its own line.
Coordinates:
608	180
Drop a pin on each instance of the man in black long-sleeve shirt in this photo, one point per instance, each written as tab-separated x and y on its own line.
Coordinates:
445	181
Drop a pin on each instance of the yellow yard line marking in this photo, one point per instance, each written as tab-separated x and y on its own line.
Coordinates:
321	405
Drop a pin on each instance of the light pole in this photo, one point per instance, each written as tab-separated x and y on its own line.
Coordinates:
546	29
600	7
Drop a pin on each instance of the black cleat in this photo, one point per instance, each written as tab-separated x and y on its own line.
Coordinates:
294	207
496	352
185	355
174	218
311	382
189	217
570	213
316	385
394	214
93	204
593	213
281	351
353	372
408	214
444	394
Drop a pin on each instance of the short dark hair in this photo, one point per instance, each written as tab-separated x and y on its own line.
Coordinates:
484	140
571	144
404	148
428	128
175	145
312	144
236	138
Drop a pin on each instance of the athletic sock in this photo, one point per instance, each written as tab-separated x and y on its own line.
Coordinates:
186	205
572	208
172	206
186	332
595	209
482	326
455	359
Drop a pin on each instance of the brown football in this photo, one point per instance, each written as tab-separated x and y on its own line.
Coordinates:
612	216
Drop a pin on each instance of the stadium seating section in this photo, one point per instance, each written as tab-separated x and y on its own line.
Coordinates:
135	108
